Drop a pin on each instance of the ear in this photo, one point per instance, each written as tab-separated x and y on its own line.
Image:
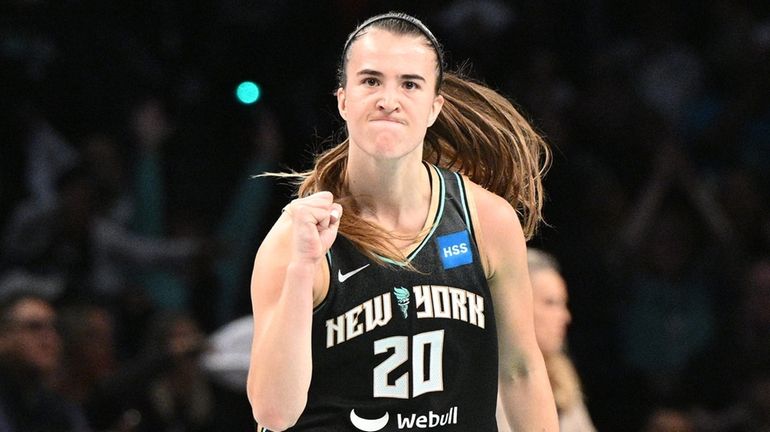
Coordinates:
342	103
438	103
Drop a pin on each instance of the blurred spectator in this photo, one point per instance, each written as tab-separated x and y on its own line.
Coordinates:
89	348
674	232
118	250
669	314
30	349
180	398
163	388
237	225
243	220
83	237
552	316
54	239
150	127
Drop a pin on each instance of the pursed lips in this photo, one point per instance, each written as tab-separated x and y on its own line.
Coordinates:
387	120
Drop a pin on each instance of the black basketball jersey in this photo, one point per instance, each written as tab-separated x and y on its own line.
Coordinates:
397	349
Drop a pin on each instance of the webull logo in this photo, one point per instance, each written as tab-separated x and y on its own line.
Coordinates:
405	421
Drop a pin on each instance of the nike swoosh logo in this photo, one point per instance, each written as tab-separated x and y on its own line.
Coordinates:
367	425
344	276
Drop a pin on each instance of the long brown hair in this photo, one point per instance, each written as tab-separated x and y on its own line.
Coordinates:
478	133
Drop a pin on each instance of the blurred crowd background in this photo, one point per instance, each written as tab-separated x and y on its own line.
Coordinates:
127	201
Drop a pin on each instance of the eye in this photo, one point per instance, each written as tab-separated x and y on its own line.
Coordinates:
411	85
371	82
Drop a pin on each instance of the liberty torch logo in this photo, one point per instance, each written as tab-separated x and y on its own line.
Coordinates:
402	298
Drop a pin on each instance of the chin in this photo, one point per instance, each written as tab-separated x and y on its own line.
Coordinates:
386	142
388	152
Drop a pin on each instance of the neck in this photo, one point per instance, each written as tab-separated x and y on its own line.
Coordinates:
394	194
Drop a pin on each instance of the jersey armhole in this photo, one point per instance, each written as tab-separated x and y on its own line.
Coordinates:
474	225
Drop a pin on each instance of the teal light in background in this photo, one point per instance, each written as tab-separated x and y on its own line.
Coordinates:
248	92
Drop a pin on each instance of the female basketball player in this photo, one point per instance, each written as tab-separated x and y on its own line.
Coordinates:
393	294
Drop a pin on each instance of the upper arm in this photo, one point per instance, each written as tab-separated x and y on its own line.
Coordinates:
504	254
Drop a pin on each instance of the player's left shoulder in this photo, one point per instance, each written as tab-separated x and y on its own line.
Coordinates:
498	231
491	210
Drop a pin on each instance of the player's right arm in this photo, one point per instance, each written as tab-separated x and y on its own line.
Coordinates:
290	275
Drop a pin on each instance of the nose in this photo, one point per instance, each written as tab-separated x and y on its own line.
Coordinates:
388	101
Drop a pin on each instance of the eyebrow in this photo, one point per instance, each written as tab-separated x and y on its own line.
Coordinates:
371	72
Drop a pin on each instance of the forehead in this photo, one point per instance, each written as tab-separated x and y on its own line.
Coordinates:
548	282
377	48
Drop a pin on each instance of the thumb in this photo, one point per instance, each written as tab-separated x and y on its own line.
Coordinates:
329	233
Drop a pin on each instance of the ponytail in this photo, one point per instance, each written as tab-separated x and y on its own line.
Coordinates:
478	133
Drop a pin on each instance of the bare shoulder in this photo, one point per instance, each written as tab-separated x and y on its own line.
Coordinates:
492	207
498	228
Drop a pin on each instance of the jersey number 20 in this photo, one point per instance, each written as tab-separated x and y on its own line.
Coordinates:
424	380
